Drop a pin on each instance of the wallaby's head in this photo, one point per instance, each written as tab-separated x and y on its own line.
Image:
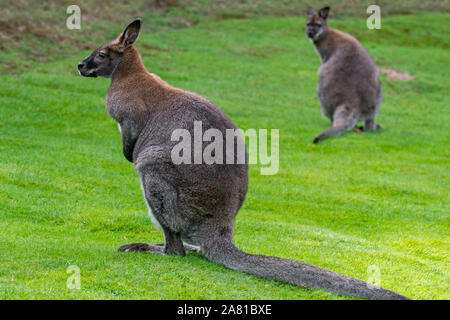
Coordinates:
104	60
316	23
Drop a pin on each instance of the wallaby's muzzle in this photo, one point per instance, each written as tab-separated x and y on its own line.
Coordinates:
310	34
84	70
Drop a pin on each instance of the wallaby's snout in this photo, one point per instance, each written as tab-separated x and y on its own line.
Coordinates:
103	61
100	63
86	68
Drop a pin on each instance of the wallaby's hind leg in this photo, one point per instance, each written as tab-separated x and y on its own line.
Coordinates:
371	126
343	120
172	245
162	198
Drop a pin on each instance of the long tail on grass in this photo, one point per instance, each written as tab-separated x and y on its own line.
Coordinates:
294	272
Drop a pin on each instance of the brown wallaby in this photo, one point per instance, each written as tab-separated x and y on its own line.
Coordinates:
349	88
194	203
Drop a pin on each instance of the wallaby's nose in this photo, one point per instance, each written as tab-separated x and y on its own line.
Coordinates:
80	65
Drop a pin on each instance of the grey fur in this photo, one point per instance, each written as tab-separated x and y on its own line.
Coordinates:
196	203
349	88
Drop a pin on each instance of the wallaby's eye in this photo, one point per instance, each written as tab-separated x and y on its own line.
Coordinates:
102	55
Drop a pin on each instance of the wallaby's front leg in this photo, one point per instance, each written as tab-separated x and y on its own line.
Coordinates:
128	139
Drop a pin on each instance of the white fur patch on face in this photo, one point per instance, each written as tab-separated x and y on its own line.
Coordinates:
120	128
316	37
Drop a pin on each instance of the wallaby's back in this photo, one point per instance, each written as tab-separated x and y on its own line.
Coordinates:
348	77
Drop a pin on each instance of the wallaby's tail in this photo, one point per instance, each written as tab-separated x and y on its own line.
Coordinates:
332	132
294	272
344	119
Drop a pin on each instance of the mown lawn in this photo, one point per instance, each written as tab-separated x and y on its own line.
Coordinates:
353	203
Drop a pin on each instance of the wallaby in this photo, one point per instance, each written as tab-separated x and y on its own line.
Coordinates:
194	203
349	88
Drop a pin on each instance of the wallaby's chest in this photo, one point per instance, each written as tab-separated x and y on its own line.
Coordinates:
123	106
114	105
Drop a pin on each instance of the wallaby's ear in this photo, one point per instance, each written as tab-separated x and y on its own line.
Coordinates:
310	11
323	13
130	34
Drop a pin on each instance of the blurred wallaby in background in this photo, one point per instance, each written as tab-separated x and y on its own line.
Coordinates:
349	87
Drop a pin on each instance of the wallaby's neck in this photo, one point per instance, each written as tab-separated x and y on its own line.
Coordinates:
336	41
131	80
130	64
327	45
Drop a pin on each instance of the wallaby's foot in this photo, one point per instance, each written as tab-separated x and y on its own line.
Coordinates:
153	248
187	247
358	129
142	247
371	126
374	128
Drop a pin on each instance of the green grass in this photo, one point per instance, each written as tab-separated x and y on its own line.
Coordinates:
68	196
35	30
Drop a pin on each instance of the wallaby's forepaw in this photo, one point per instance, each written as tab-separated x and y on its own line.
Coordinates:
316	140
135	247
